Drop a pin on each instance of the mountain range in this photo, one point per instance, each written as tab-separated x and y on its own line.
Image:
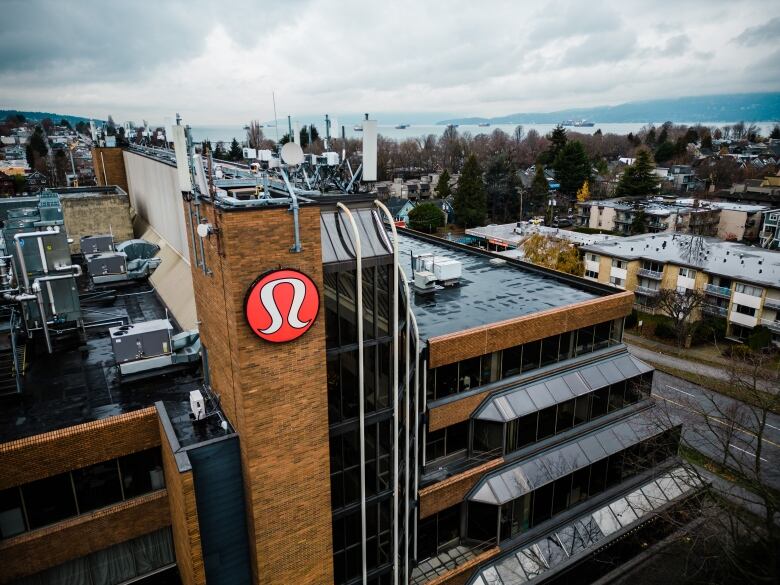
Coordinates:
36	116
748	107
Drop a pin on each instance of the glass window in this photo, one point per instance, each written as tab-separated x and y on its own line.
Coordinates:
511	361
97	486
531	355
746	310
565	419
542	504
584	340
614	469
601	335
547	419
435	444
331	310
457	437
581	409
487	362
482	521
579	485
49	500
565	347
347	308
488	436
11	515
368	303
141	473
469	374
561	494
616	392
526	429
349	384
598	477
599	402
334	388
550	350
446	380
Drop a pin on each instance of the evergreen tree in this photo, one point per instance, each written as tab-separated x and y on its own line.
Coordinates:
443	186
469	204
638	179
306	131
426	217
665	151
638	223
650	138
501	189
236	152
775	132
539	190
219	151
572	167
558	140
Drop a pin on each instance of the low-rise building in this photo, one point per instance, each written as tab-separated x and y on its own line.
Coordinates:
741	283
770	229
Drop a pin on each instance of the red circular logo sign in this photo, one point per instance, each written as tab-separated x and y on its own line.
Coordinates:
281	305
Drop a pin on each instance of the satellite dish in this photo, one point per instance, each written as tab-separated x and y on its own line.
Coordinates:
203	229
292	154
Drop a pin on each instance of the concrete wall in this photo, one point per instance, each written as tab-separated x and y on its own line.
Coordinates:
96	213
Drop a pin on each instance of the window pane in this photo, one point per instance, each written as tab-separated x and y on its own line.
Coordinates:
350	407
368	303
599	402
566	349
383	310
550	350
469	374
616	396
562	493
334	388
11	515
547	418
446	380
526	430
511	361
331	310
97	486
542	504
584	340
49	500
435	445
565	416
531	355
602	335
457	437
141	473
487	436
347	308
581	407
483	522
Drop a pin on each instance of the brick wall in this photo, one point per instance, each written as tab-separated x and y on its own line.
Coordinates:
274	394
50	546
454	347
183	518
109	167
441	495
94	214
48	454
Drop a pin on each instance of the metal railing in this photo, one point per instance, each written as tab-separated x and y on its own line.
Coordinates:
770	303
720	291
771	324
643	290
714	310
446	561
651	274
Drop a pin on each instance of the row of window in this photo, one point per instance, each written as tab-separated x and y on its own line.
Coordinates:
56	498
517	434
471	373
549	500
347	553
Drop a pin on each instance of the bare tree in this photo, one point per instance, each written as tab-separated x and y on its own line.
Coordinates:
680	304
254	135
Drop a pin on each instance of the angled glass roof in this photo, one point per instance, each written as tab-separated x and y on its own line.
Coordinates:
509	483
577	538
337	237
518	402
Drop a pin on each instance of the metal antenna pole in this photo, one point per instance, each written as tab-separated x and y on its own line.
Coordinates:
276	120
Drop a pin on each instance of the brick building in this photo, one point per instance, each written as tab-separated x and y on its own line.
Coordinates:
412	427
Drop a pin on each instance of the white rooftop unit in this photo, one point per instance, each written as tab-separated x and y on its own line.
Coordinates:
446	270
249	152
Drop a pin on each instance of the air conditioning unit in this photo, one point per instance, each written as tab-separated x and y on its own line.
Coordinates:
446	271
197	405
310	159
250	153
264	155
424	281
96	244
331	158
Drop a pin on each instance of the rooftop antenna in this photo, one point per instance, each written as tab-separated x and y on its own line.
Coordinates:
289	129
327	131
276	120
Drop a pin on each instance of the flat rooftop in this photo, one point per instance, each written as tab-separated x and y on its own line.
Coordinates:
512	235
712	255
71	386
487	293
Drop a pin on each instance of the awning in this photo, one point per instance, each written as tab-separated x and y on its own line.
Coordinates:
337	238
580	537
516	403
510	483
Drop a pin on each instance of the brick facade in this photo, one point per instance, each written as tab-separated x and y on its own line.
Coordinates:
440	496
447	349
48	454
109	167
38	550
275	395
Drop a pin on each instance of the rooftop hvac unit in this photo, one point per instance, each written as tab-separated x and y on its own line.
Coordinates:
96	244
250	152
310	159
331	158
264	155
197	405
446	270
424	281
106	267
142	346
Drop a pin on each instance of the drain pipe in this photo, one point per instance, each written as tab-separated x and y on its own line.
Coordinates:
294	207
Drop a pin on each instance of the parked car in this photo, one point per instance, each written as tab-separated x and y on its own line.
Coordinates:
561	222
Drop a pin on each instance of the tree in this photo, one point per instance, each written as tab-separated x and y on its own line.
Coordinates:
680	304
572	167
665	151
583	194
443	186
205	146
469	204
65	123
236	152
426	217
558	140
254	135
220	152
553	253
306	133
501	189
540	188
638	223
775	134
638	178
706	141
451	149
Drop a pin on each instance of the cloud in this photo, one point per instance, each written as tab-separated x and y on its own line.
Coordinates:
219	64
760	34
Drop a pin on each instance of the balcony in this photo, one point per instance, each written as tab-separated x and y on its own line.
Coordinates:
714	310
770	303
651	274
649	292
718	291
771	324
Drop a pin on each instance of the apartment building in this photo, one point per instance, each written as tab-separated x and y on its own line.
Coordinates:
742	283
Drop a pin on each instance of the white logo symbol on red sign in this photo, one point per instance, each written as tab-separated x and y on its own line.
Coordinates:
281	305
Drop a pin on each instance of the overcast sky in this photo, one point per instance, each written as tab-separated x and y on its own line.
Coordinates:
217	62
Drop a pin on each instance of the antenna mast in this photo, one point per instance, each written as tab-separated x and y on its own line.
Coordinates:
276	120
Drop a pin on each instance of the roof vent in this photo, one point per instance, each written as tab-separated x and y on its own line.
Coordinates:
497	261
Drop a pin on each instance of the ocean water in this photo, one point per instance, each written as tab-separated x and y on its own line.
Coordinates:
227	133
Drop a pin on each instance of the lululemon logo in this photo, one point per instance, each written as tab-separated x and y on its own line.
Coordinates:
281	305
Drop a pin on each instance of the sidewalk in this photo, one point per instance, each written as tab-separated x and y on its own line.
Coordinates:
652	351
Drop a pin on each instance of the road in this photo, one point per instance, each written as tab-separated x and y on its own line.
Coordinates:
706	415
690	366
